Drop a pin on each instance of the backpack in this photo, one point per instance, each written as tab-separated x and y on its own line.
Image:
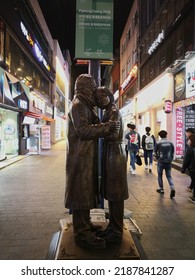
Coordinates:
149	142
134	138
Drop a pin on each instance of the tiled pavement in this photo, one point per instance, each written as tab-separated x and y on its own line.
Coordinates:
31	206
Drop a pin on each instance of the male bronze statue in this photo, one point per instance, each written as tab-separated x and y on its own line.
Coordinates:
84	129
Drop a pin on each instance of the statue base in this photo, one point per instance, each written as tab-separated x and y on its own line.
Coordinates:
68	250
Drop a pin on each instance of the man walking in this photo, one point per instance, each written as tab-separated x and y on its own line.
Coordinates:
164	152
148	144
133	146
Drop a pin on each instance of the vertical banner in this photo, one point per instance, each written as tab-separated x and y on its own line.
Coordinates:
94	29
45	136
180	132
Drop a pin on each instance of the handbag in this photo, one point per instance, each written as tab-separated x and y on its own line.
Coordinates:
138	160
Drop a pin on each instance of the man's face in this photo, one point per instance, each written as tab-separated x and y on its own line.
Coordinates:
188	134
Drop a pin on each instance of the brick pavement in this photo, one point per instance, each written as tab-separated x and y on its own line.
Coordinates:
31	206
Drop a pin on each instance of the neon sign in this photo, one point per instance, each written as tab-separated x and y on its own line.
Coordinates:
156	42
132	75
35	46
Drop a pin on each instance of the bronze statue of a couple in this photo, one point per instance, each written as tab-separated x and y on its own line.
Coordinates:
81	193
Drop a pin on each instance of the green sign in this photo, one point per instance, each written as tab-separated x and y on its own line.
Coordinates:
94	29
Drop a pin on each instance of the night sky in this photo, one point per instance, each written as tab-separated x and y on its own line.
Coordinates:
60	16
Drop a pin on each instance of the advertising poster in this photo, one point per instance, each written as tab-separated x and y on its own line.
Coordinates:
45	136
190	78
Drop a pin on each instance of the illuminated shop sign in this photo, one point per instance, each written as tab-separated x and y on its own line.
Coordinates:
156	42
49	110
34	45
179	132
131	76
185	102
22	104
190	78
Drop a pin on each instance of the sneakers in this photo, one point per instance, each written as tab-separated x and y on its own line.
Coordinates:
160	191
131	169
192	199
188	188
133	172
146	167
172	194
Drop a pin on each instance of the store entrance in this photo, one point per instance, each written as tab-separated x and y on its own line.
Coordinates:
8	134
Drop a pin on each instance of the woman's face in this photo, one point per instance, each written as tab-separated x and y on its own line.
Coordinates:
102	99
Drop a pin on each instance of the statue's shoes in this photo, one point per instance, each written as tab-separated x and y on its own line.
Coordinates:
110	236
92	242
95	227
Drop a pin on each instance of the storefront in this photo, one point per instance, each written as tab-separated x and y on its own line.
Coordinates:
27	58
13	103
150	105
184	105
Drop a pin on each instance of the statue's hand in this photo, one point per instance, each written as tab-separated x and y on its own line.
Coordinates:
114	126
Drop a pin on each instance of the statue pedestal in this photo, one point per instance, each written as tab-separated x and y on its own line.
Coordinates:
68	250
63	246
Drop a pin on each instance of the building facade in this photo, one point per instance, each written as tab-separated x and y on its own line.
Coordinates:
28	80
129	66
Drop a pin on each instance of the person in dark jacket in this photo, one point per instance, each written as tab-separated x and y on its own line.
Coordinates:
164	153
189	163
189	131
114	164
133	138
84	129
148	144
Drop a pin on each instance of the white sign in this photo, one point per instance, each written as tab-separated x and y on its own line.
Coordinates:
190	78
156	42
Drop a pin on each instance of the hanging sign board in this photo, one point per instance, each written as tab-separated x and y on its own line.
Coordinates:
94	29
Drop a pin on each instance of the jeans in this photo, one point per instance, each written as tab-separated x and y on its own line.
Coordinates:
192	176
148	154
133	153
167	167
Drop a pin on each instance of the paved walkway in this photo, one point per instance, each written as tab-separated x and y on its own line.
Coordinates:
31	206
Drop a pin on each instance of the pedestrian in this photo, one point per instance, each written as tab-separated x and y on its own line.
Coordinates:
148	144
189	131
133	138
84	129
114	175
164	153
126	140
189	163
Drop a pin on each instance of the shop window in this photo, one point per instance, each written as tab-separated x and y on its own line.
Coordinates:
188	38
2	32
23	68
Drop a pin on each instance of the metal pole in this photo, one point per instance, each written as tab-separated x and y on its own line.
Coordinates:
95	71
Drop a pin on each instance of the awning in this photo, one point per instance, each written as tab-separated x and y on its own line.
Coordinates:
33	115
47	119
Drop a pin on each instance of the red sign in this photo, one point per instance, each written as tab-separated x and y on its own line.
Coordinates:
179	132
